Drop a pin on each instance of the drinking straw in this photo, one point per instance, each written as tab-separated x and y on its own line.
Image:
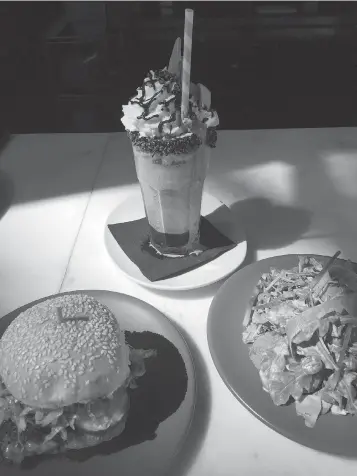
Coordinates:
186	64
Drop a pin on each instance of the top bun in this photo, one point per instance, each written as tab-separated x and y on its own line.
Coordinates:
49	361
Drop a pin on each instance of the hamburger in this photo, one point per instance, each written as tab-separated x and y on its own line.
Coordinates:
65	370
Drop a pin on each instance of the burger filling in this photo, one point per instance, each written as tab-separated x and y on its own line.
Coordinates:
26	430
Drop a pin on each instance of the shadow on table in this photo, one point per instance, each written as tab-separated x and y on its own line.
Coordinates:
53	165
195	438
7	191
270	226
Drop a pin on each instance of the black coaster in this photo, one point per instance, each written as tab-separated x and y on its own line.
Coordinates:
133	238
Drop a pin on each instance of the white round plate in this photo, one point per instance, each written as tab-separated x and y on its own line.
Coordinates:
222	266
161	408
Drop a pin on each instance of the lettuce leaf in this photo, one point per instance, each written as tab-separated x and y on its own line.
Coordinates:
266	347
281	314
309	407
137	363
50	417
54	431
259	317
326	407
336	410
250	334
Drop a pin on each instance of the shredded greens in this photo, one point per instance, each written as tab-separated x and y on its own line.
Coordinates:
301	330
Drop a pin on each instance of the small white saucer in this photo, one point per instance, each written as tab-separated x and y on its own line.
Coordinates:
133	209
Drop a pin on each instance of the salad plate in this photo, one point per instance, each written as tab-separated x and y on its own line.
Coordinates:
332	433
161	408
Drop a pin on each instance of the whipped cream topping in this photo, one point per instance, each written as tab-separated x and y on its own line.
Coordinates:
154	110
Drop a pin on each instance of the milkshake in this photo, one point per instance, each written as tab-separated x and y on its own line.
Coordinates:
171	159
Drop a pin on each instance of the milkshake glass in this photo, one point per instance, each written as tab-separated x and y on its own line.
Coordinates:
171	187
171	159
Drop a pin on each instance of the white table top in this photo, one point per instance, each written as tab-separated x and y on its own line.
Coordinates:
299	191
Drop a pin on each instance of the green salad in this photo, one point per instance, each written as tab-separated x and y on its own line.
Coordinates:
301	329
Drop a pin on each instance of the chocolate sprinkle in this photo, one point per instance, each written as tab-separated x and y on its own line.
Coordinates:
163	75
162	146
211	138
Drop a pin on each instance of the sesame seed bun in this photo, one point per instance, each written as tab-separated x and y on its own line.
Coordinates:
65	350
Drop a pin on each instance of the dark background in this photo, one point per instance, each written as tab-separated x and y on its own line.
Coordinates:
69	66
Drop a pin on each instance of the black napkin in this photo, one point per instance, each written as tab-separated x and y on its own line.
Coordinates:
133	238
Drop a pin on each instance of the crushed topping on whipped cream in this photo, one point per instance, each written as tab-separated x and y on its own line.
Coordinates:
185	144
154	110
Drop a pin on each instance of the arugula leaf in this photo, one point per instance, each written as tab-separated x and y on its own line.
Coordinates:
345	386
345	276
350	363
303	326
321	286
284	386
326	357
331	396
320	282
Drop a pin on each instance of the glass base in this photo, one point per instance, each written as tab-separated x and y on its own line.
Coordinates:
176	252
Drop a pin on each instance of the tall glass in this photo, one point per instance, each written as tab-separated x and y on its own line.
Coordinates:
171	187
